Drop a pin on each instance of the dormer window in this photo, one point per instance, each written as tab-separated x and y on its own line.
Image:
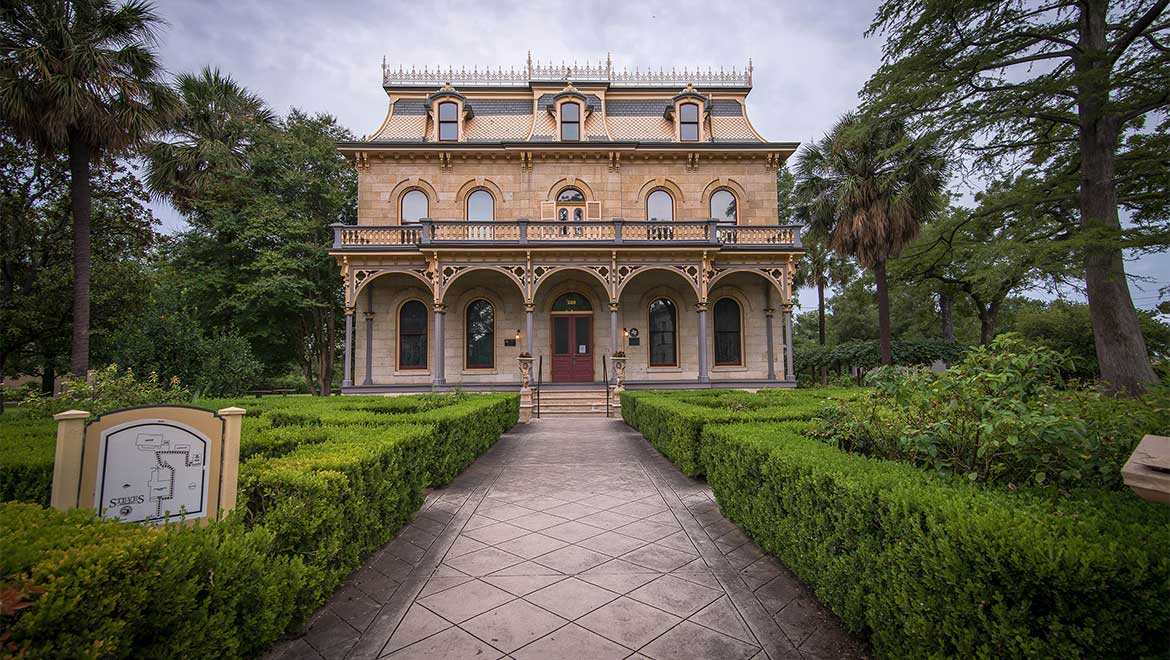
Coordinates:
570	122
448	121
688	122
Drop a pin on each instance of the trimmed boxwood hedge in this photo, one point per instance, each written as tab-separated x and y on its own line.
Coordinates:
935	567
314	500
673	421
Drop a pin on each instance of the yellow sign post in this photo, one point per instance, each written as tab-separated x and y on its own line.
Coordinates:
149	464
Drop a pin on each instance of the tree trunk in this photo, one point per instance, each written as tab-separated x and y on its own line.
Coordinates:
48	378
1121	348
883	303
821	324
946	310
79	198
987	321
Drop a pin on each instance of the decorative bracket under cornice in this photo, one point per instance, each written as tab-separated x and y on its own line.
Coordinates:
525	161
615	161
693	161
446	164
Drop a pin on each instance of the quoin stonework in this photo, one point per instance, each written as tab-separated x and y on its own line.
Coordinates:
569	212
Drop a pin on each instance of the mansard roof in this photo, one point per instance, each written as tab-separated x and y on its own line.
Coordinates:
518	105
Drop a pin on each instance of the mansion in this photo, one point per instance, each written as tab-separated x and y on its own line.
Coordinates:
568	213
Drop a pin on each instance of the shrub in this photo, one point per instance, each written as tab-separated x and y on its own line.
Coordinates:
932	566
1003	414
109	389
26	457
673	421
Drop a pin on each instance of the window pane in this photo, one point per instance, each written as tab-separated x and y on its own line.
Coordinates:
447	112
582	336
448	131
727	332
572	302
560	335
660	206
480	334
727	315
412	336
662	333
414	206
723	206
570	195
689	132
578	214
570	112
481	206
414	317
570	131
727	348
689	112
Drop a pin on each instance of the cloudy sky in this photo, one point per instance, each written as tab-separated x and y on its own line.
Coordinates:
810	58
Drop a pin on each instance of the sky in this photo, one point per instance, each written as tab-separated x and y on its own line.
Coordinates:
810	58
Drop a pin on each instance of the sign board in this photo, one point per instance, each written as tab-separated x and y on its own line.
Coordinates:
149	465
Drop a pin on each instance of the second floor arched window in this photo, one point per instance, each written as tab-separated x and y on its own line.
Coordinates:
724	207
415	206
448	121
481	206
660	206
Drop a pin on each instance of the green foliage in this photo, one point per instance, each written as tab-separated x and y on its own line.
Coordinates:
673	421
110	389
26	456
866	354
935	567
1004	414
314	500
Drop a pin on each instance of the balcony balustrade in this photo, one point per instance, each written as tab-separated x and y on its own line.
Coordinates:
502	233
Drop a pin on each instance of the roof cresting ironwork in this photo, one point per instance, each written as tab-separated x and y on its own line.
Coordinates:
564	71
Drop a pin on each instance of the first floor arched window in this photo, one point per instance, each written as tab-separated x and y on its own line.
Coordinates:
481	335
412	335
728	336
663	334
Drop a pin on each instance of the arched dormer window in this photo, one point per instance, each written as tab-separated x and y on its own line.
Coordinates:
448	121
481	206
570	122
724	207
414	206
688	122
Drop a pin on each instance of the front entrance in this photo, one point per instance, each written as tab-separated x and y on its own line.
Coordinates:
572	340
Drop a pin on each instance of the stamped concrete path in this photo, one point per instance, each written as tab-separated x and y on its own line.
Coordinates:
572	538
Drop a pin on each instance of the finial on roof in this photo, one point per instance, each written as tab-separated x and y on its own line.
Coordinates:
749	72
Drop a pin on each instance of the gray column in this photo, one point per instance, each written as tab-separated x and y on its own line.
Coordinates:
703	377
440	349
768	314
369	379
788	372
347	379
613	328
528	309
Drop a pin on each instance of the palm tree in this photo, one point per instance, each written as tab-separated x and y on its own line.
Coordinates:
218	121
81	76
868	186
821	268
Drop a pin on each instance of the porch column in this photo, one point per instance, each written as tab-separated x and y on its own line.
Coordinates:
440	345
347	379
369	379
528	310
613	328
788	372
702	309
768	314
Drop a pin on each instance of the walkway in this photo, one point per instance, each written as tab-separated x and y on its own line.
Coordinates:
572	538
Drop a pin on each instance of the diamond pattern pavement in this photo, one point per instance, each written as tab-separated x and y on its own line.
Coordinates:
572	538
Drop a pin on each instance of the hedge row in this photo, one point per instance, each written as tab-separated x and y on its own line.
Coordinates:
934	567
673	422
314	499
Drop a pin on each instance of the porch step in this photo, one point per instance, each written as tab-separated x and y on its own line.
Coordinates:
576	403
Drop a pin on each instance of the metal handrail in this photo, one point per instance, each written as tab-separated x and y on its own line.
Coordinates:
605	382
539	380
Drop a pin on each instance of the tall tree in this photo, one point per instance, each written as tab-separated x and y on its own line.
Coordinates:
1064	84
868	186
81	76
821	268
218	121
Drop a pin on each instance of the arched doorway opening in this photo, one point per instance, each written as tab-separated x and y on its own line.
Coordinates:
571	323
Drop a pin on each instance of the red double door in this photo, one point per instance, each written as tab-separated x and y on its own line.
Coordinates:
572	348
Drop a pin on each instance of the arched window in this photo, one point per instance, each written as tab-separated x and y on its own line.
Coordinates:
415	206
688	122
570	206
412	335
481	206
448	121
570	122
481	335
723	206
663	340
660	206
728	338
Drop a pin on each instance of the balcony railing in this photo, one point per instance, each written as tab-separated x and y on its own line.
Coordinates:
428	233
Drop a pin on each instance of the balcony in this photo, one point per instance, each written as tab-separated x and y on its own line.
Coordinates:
611	233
